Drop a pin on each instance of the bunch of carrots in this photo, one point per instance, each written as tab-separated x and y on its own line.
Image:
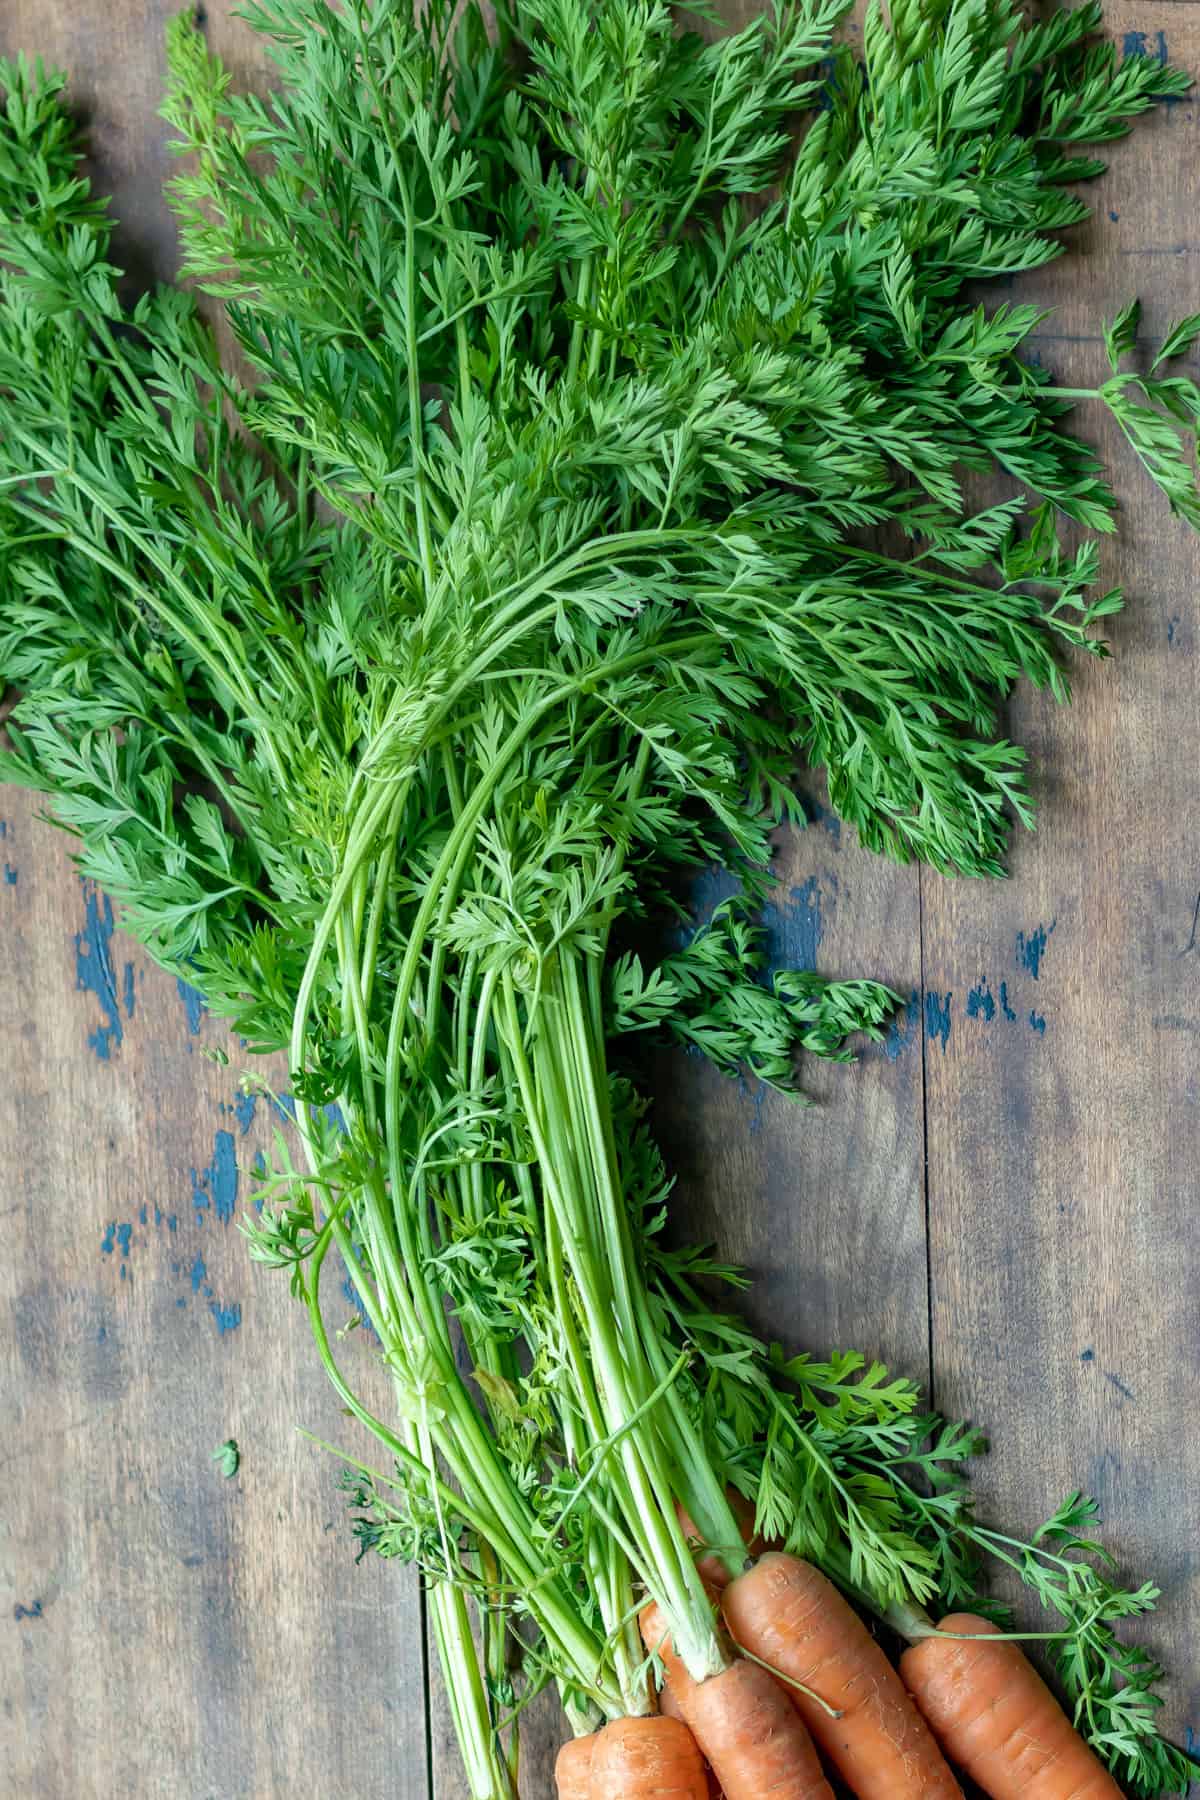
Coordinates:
392	687
809	1687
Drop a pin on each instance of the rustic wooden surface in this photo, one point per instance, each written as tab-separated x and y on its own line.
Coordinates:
1001	1197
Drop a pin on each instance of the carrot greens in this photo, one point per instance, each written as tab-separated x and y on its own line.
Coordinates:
595	458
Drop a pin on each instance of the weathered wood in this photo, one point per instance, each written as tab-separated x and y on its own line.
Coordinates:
167	1632
1063	1121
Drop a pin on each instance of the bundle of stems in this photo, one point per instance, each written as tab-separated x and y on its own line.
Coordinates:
395	685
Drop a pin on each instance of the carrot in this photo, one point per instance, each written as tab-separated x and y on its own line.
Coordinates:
641	1759
573	1768
996	1716
787	1613
670	1707
744	1723
711	1566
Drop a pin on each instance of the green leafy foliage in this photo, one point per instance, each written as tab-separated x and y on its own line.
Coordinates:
609	399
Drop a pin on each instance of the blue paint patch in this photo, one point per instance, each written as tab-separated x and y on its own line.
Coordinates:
36	1611
130	990
710	886
108	1242
199	1273
1114	1380
218	1183
816	814
1114	217
901	1031
980	1004
94	968
181	1301
795	929
1031	949
1087	1356
1140	43
285	1104
193	1004
1038	1022
1005	1008
10	875
143	1216
754	1094
124	1238
937	1017
228	1317
244	1107
3	829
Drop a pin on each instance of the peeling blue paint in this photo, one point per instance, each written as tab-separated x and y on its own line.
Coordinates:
144	1216
816	814
108	1242
35	1611
199	1274
1031	949
218	1183
3	829
1140	43
244	1107
937	1017
1005	1008
193	1004
1038	1021
980	1004
795	929
902	1028
10	875
1087	1356
130	990
228	1317
710	886
1114	1380
94	968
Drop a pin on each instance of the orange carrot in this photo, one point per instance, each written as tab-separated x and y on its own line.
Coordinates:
642	1759
671	1709
996	1716
573	1769
744	1723
787	1613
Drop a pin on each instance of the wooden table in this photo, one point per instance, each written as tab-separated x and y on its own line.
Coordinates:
1001	1199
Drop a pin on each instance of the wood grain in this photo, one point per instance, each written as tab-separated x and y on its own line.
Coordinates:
1064	1105
166	1632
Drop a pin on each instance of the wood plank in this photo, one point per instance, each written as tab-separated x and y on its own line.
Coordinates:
170	1633
824	1205
1063	1105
